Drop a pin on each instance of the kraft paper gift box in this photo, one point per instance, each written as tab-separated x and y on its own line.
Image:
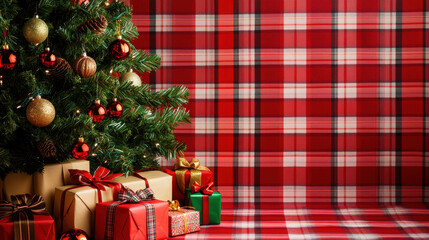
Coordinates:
55	175
42	225
130	220
184	174
74	205
159	182
17	183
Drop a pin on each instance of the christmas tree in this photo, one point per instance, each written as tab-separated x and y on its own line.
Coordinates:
62	62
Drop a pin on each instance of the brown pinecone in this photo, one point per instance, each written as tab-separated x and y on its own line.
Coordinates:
47	148
97	25
60	68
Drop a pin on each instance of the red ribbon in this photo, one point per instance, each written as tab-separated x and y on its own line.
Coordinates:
143	178
100	179
205	211
207	189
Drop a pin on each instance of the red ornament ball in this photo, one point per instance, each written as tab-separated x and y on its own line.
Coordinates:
115	109
80	149
119	49
97	111
47	59
79	2
8	59
75	234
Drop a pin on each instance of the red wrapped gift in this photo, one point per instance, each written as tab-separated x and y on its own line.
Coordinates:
181	220
185	174
33	219
133	216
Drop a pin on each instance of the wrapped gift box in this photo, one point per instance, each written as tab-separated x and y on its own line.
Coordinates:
209	207
55	175
183	221
44	228
25	217
130	220
79	205
182	180
160	183
74	205
17	183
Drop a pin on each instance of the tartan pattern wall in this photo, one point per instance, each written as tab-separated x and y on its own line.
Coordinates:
299	101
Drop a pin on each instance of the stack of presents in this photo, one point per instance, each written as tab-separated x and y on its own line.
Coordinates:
66	201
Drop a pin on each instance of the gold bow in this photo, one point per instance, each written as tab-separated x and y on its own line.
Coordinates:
175	206
182	166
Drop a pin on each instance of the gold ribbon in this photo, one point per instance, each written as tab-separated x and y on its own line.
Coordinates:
175	206
182	166
186	224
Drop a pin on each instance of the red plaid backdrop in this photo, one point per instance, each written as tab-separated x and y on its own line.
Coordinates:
299	100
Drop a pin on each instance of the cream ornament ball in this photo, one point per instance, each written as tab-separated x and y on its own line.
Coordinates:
35	30
132	77
40	112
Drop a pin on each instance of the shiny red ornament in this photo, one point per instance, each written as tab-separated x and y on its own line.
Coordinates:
97	111
8	59
119	49
80	149
115	109
75	234
79	2
47	58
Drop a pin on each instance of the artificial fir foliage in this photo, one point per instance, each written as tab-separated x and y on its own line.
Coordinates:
145	129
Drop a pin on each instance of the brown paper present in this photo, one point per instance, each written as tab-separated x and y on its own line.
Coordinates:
16	184
159	182
79	205
55	175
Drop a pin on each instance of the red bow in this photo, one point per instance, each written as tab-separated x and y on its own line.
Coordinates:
100	179
207	189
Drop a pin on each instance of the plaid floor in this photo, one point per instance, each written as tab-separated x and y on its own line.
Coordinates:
319	221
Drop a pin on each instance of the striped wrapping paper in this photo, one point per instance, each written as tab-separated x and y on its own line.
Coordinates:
299	102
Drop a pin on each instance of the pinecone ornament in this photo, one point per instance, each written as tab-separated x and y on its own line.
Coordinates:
47	148
97	25
60	69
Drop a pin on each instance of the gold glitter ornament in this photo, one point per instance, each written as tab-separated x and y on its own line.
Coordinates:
40	112
35	30
131	76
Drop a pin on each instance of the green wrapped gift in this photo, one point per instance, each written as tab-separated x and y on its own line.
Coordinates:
208	205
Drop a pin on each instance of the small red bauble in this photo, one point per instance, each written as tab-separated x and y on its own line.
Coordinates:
79	2
97	111
80	150
75	234
115	109
119	49
47	59
8	59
